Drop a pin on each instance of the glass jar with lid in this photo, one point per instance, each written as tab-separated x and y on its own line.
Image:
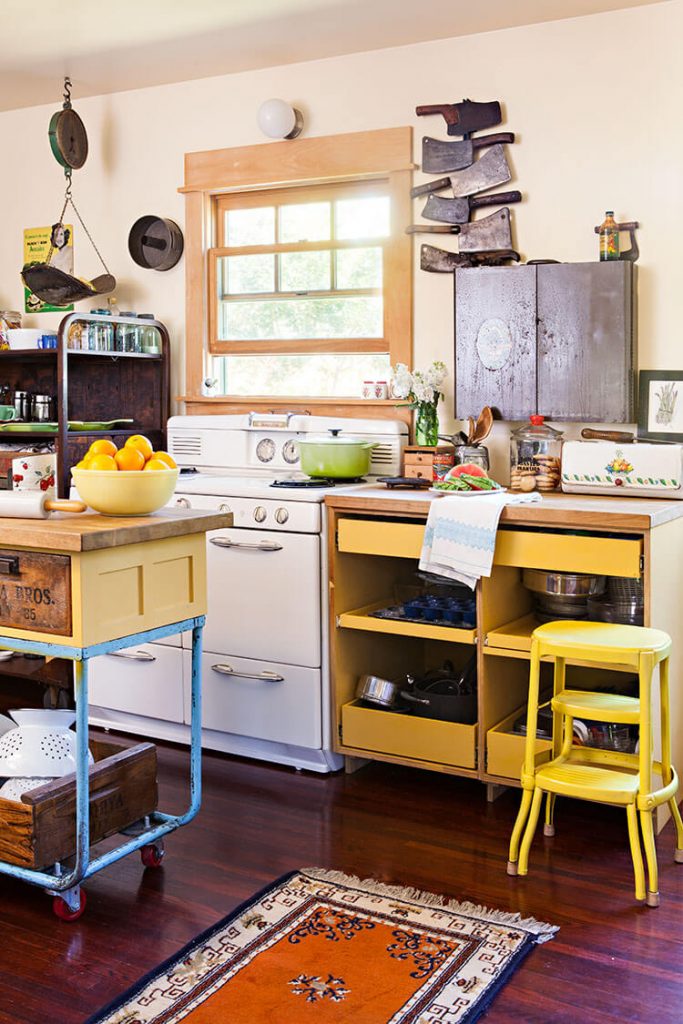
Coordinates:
100	332
151	338
535	457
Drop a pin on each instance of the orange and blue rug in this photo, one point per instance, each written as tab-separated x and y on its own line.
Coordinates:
322	946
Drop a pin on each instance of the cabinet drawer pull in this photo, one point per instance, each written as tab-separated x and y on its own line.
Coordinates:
9	565
134	655
266	677
264	545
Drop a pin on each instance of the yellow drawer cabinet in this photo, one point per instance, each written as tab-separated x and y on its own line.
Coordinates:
505	749
417	739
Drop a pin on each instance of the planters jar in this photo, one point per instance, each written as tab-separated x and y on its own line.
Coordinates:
535	457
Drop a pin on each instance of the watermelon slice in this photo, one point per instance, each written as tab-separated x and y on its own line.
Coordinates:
470	468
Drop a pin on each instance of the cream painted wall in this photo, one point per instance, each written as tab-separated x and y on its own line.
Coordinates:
595	103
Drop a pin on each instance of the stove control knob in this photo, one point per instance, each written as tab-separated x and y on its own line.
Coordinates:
183	503
260	513
224	508
281	515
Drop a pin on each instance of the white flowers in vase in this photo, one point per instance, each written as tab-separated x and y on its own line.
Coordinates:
423	390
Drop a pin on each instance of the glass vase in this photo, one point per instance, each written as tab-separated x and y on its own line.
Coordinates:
427	425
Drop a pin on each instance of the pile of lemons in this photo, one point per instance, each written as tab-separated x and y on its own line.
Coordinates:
137	454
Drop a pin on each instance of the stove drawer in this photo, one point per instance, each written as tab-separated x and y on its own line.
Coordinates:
143	680
259	699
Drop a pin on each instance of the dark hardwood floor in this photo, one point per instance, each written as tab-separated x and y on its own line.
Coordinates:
613	961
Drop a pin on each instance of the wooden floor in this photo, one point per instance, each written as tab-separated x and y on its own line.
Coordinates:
613	961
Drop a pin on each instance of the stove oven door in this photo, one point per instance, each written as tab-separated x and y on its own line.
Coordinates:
264	595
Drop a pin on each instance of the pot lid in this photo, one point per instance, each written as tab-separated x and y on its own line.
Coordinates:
538	429
332	437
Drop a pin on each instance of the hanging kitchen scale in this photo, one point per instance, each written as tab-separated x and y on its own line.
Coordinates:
69	143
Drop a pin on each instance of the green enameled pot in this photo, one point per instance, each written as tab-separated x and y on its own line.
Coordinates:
335	457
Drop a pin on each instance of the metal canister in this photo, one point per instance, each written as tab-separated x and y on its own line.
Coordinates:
22	404
474	453
42	408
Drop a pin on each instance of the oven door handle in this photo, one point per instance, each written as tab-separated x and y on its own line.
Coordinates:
133	655
266	677
264	545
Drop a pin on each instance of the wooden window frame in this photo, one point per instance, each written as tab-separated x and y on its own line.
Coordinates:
211	177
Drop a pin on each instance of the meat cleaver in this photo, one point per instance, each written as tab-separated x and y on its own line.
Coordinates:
490	170
465	117
492	232
439	261
439	157
457	211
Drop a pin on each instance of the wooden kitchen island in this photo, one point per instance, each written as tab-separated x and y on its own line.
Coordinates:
375	537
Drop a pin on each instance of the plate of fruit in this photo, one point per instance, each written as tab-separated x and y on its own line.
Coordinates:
466	481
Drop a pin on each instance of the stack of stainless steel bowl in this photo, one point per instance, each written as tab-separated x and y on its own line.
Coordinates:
562	595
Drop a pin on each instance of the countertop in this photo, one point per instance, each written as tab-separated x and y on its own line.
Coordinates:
589	512
91	531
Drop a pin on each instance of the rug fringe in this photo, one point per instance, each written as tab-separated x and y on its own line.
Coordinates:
540	930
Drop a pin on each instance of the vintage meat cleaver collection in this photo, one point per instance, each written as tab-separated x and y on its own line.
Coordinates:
484	242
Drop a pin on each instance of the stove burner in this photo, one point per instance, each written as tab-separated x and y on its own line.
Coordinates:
188	470
322	482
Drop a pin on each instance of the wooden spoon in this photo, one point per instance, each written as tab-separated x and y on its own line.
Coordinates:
470	429
484	425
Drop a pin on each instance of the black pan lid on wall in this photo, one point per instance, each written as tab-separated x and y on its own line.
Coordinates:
155	243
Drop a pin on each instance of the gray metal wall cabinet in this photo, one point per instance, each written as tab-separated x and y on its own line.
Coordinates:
558	339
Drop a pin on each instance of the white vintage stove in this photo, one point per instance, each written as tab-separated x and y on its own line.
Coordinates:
266	673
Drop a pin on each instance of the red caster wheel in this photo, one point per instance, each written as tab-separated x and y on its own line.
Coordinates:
63	911
152	855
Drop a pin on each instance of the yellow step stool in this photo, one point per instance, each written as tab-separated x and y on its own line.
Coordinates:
604	776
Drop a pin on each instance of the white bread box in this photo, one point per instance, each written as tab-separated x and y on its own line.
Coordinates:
639	470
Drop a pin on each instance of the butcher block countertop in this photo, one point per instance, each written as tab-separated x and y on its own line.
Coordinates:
573	511
91	531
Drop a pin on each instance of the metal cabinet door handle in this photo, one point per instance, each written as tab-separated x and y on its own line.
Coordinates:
134	655
264	545
266	677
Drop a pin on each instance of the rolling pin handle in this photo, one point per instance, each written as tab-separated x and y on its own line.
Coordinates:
64	505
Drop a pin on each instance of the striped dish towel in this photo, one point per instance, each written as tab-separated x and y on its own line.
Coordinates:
460	535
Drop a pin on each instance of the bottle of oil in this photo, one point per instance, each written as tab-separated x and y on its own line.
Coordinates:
609	237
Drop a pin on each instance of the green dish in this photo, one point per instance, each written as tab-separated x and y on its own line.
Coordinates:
96	424
14	427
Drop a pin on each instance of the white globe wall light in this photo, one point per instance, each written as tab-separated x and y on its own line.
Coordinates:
279	120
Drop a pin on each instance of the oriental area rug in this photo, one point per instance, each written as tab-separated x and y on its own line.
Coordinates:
322	946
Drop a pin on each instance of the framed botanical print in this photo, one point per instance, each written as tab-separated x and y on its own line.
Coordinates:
660	405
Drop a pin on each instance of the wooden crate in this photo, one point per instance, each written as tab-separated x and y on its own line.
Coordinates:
41	829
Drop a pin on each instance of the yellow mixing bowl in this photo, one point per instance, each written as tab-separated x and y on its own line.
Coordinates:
125	492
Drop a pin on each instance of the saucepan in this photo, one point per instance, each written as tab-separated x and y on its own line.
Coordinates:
334	457
383	693
445	694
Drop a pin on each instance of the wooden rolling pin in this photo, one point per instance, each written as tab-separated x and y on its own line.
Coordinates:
620	436
32	505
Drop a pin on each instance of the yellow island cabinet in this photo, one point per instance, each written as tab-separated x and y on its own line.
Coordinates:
375	538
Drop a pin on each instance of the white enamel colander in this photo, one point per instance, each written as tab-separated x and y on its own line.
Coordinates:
42	746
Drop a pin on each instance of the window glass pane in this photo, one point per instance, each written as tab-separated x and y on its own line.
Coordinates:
338	317
305	271
246	274
304	222
362	218
323	374
359	268
250	226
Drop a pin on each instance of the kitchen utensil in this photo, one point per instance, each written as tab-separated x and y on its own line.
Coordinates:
6	723
484	425
67	134
20	427
126	492
7	412
489	233
457	211
14	789
42	746
571	586
155	243
384	693
464	117
439	261
412	483
335	457
629	611
42	408
618	436
439	157
642	470
36	505
24	337
89	425
446	695
22	404
489	170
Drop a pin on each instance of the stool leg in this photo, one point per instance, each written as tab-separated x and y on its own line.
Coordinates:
523	864
559	676
549	825
522	815
652	898
666	755
636	852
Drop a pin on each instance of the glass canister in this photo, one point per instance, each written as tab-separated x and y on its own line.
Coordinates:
535	457
129	335
78	337
100	332
150	336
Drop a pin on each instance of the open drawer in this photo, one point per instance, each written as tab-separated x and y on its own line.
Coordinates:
421	739
505	749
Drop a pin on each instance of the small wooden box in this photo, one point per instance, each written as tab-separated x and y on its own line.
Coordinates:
41	829
418	461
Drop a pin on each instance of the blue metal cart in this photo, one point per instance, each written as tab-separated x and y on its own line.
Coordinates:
65	885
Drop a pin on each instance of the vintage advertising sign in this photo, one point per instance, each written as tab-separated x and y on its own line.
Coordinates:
37	242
